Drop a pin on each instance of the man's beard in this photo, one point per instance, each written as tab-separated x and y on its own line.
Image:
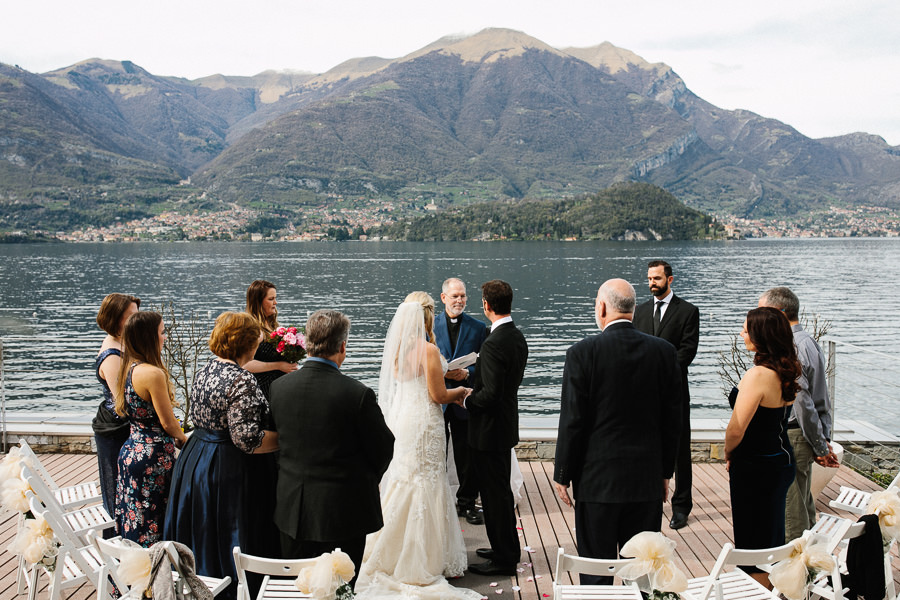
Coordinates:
660	292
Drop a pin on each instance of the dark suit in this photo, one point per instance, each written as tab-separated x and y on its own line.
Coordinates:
334	446
494	430
471	335
680	326
618	425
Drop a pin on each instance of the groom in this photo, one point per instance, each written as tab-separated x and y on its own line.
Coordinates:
494	428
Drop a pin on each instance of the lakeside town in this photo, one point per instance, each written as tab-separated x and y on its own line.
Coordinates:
356	220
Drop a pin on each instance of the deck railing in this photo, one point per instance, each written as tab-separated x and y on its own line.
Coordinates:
864	384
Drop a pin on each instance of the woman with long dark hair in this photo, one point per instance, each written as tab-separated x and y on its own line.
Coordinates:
267	365
145	397
758	455
110	430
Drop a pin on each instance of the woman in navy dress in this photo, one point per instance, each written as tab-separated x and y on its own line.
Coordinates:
266	364
223	488
144	396
110	430
758	454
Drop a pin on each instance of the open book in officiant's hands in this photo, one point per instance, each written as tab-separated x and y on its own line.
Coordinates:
463	361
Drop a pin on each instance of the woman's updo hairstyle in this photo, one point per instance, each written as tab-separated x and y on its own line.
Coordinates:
234	334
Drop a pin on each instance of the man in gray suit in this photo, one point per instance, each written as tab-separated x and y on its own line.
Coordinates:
809	426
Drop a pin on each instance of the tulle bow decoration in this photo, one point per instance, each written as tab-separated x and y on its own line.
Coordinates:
328	577
792	574
886	505
653	553
9	466
135	566
35	543
13	497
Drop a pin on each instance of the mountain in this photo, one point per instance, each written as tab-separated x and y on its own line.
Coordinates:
498	113
491	116
758	166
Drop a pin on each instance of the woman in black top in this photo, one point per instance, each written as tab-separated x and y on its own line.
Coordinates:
267	365
110	430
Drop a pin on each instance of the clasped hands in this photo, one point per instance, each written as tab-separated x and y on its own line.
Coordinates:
461	400
829	460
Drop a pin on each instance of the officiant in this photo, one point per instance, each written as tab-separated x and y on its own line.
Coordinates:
457	334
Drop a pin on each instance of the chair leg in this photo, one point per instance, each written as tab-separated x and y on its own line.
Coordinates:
889	588
35	581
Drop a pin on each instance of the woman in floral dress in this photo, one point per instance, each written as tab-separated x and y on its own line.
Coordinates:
144	396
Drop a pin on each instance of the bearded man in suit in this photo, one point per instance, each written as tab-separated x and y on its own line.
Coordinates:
494	428
618	424
334	446
678	322
457	334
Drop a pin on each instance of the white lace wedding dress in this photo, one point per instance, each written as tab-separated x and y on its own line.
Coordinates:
421	542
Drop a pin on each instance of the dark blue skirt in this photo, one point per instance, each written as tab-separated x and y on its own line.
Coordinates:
221	498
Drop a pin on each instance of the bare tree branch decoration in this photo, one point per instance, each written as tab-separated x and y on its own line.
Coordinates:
731	364
187	339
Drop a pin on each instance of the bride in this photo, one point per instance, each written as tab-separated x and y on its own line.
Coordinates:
421	542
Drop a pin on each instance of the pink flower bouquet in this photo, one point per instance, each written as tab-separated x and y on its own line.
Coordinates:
289	342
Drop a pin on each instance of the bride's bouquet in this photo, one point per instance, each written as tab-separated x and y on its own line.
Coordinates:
289	342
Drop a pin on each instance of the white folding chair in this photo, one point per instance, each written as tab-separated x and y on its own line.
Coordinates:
278	575
856	501
591	566
736	584
80	520
111	552
75	564
839	532
89	518
68	496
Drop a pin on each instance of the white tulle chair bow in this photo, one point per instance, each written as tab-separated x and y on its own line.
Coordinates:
886	505
328	578
793	575
654	557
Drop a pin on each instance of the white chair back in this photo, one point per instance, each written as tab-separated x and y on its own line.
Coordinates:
278	575
112	551
592	566
68	496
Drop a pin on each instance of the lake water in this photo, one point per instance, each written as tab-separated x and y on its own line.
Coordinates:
49	295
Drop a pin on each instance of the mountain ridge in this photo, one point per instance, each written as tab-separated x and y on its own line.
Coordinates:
493	115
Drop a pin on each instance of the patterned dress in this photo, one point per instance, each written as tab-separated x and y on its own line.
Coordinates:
145	472
222	495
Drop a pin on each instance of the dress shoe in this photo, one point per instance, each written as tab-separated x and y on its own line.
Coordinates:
678	521
474	517
487	553
491	568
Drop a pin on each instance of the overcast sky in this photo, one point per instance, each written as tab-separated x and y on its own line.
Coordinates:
826	67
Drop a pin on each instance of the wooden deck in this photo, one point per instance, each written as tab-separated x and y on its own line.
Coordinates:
546	525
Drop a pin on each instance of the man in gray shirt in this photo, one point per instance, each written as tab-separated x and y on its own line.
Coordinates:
809	426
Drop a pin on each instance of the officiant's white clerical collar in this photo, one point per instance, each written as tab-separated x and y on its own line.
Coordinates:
499	322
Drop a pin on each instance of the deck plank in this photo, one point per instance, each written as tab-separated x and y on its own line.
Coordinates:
546	524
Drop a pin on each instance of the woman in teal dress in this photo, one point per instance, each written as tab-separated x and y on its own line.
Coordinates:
145	398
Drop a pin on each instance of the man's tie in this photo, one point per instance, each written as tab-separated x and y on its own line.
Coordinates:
657	315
